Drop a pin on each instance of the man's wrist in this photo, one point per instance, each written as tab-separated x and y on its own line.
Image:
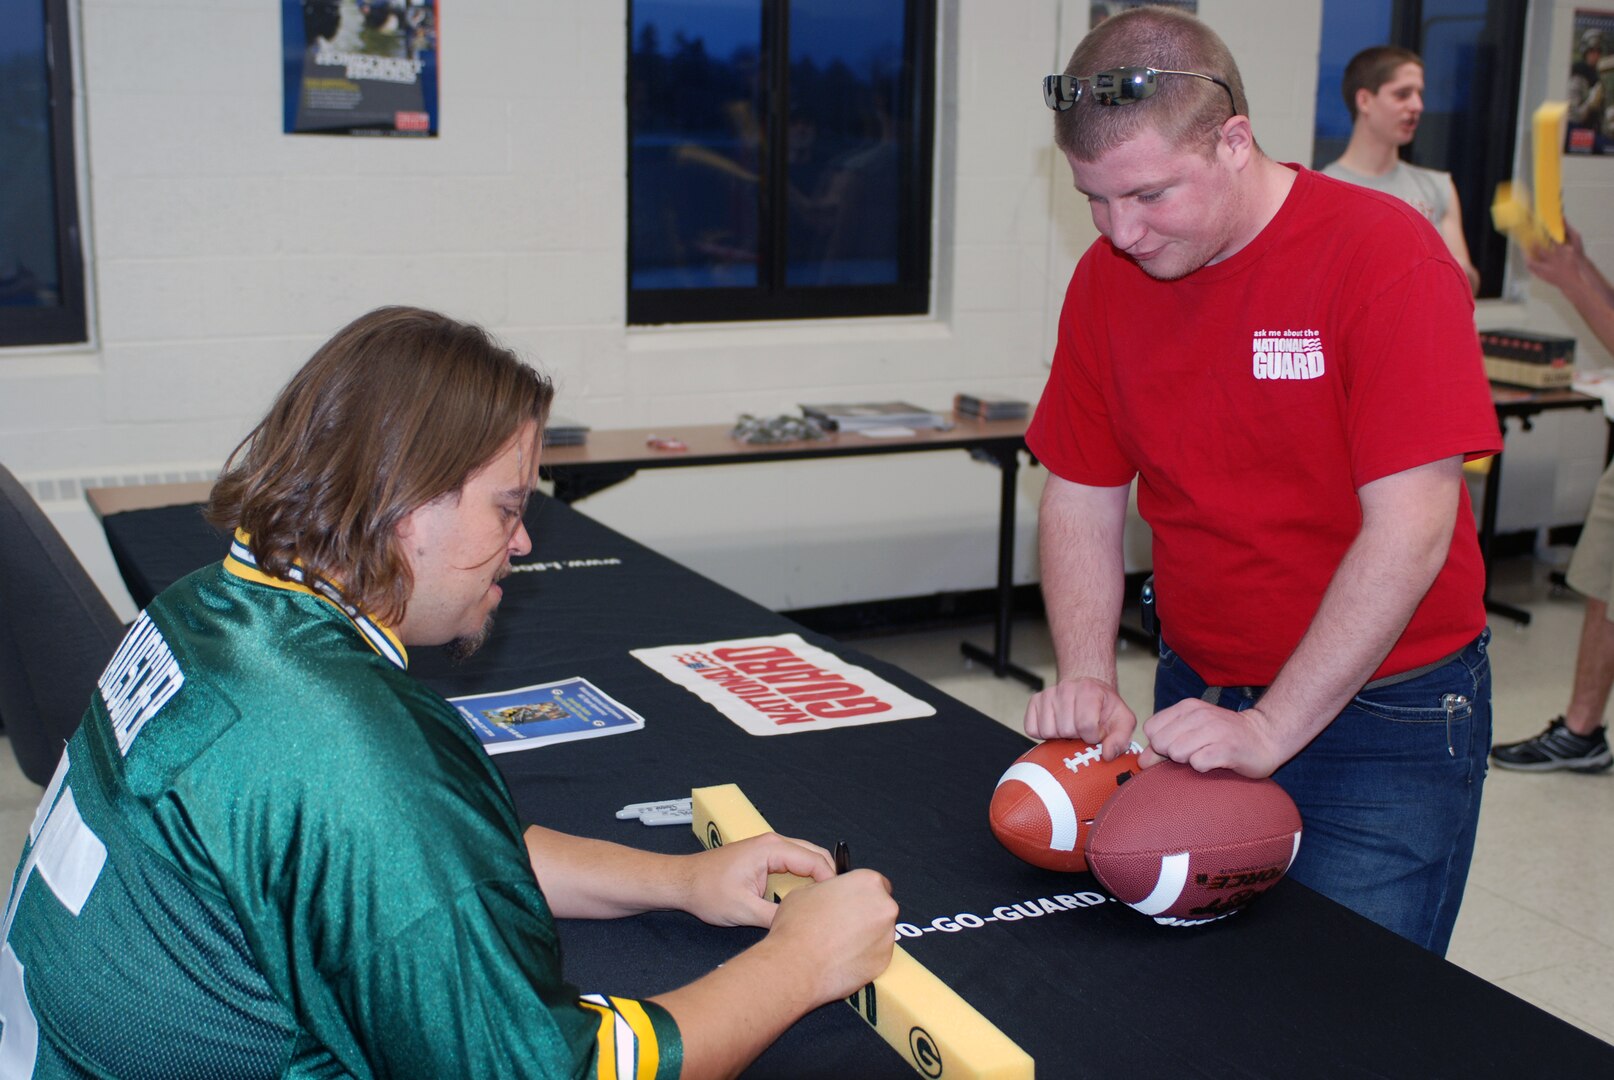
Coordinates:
1280	730
796	973
1110	679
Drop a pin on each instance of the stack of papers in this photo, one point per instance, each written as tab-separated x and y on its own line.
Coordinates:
562	431
875	414
990	406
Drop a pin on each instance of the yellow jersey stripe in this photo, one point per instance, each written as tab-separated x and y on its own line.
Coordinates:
605	1064
644	1036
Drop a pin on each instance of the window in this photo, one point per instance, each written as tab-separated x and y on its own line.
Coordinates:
41	262
1472	53
779	158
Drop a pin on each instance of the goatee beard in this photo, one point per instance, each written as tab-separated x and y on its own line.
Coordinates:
463	648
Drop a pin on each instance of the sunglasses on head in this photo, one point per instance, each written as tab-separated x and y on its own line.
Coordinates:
1117	86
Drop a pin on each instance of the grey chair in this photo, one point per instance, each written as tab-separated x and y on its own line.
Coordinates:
56	633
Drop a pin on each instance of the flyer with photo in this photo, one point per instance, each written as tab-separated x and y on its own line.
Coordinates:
781	685
1589	92
544	713
360	67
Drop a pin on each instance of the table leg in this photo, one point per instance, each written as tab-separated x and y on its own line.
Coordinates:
1008	463
1487	536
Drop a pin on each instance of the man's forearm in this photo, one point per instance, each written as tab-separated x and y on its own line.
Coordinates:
1083	579
596	879
1593	298
728	1017
1599	282
1378	585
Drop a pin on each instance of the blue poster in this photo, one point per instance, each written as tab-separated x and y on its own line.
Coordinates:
544	713
360	67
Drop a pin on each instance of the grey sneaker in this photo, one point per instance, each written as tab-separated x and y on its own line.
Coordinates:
1556	748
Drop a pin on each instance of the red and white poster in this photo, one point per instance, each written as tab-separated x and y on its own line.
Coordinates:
781	685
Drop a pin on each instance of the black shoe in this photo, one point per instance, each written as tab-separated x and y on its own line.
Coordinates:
1556	748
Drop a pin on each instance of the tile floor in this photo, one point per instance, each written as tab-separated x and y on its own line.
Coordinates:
1538	915
1537	919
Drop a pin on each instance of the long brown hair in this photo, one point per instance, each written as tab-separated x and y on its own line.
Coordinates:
1182	109
398	409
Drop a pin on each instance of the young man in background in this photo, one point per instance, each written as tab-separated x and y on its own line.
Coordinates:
1383	89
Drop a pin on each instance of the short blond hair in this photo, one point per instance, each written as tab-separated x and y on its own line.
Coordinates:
1183	110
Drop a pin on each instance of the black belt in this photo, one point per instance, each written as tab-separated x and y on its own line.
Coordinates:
1213	692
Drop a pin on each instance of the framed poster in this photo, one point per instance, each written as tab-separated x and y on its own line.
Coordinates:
360	67
1591	84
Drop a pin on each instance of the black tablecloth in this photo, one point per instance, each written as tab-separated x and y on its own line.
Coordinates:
1295	986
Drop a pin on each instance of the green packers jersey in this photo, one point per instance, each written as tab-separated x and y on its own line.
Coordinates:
270	852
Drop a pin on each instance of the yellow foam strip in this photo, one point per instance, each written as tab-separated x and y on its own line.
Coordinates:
924	1019
1510	212
1547	127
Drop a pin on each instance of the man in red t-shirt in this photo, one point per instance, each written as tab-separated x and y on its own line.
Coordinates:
1288	366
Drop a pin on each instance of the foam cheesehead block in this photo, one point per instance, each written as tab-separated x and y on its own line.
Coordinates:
1547	129
921	1017
1533	223
1511	213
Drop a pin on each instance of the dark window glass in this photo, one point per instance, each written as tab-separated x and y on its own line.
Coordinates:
1349	26
41	270
845	80
696	146
1473	59
779	157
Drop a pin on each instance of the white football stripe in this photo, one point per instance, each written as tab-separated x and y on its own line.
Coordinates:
1295	852
1060	812
1173	876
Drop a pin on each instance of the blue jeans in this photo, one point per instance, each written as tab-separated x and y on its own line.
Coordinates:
1389	792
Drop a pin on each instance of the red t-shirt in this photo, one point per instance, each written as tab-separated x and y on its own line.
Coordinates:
1252	399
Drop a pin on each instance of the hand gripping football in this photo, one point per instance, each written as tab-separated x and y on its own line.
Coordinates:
1187	847
1044	804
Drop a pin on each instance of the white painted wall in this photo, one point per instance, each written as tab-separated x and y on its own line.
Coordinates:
1552	469
1588	183
223	252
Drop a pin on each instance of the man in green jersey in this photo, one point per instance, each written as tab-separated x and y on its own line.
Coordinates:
270	852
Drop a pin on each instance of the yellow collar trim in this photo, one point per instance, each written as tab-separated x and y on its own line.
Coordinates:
243	564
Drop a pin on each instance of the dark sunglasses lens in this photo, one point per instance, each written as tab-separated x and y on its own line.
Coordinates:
1122	86
1056	94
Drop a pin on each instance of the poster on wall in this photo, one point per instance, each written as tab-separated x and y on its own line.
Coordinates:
360	67
1591	84
1100	10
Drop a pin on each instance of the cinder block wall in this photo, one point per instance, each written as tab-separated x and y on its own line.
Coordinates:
223	252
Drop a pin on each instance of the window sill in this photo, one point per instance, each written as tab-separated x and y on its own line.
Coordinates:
751	335
32	361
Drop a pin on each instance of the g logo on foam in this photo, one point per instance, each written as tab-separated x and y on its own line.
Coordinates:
925	1053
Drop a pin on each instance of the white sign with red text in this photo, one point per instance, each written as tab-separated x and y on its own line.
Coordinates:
781	685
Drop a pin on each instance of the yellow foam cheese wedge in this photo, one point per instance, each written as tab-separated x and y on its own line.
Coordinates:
924	1019
1547	129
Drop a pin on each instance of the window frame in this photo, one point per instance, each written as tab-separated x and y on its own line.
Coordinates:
772	298
67	323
